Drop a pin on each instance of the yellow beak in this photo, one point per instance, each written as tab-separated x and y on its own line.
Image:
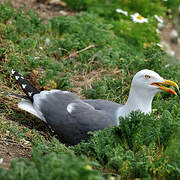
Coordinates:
167	82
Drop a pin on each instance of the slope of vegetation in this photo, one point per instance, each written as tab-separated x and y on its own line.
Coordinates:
95	54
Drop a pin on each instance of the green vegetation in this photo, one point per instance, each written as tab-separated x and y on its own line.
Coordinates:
137	148
107	48
51	161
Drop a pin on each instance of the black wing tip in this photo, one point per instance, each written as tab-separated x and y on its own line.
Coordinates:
26	85
16	73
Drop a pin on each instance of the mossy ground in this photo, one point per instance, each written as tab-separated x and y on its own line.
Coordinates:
95	54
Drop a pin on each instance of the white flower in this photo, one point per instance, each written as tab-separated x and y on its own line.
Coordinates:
159	19
122	12
160	45
137	18
157	31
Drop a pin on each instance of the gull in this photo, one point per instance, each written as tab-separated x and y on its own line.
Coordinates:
71	118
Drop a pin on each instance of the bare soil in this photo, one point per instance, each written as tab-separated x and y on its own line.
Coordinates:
45	8
10	150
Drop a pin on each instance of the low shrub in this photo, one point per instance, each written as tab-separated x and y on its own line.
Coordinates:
137	148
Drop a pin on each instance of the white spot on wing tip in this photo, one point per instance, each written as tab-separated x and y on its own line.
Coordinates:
16	77
24	86
70	107
30	93
13	71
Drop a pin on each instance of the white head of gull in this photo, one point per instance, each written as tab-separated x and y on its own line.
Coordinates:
144	86
71	118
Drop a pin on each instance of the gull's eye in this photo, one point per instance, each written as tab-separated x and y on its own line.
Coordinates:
147	77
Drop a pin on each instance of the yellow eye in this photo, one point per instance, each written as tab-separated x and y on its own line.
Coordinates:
147	76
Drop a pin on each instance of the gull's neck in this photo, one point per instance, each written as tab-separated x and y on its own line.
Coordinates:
137	100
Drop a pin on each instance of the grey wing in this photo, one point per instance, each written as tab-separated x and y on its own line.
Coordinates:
109	107
86	118
70	117
104	104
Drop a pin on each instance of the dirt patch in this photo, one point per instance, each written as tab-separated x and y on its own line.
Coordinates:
45	8
10	147
11	150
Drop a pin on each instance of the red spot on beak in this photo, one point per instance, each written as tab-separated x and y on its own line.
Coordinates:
171	91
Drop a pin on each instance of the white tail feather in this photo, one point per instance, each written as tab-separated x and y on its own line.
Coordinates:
27	105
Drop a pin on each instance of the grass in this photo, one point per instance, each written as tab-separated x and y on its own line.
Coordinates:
95	54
